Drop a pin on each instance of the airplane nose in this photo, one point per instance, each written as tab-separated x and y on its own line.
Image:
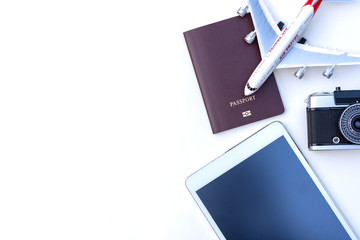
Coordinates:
247	91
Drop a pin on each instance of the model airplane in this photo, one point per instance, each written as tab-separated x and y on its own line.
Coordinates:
284	47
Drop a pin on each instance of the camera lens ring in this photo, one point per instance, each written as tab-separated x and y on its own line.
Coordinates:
346	123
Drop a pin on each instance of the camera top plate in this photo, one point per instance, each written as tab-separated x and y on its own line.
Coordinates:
346	97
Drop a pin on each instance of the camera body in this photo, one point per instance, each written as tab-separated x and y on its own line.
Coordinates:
333	120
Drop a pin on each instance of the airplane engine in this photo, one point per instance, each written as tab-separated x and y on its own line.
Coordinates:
243	10
250	37
300	72
329	72
281	25
302	40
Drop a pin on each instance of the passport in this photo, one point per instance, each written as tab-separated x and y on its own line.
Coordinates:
223	63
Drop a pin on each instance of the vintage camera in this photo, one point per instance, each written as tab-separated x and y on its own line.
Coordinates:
333	120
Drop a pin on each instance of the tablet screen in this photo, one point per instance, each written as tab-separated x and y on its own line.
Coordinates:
270	195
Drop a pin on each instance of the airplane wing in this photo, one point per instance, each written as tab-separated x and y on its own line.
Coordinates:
305	55
266	28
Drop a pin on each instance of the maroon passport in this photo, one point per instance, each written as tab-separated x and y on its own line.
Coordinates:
223	63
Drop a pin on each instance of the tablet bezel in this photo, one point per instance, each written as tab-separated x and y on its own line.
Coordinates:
241	152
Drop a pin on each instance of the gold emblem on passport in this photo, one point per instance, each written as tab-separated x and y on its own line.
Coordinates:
246	113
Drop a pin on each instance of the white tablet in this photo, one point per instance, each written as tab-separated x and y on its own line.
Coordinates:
263	188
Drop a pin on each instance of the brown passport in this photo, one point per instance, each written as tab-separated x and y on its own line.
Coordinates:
223	63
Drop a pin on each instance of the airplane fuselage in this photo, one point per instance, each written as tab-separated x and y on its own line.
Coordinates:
282	45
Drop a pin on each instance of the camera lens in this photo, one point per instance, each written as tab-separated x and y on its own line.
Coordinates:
356	123
350	123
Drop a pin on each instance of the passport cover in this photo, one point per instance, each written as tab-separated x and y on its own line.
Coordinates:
223	63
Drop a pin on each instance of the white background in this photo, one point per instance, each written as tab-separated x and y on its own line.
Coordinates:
102	120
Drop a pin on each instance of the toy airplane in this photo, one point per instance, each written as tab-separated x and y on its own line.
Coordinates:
285	48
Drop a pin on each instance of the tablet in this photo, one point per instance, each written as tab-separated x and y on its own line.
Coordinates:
263	188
